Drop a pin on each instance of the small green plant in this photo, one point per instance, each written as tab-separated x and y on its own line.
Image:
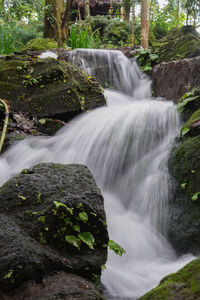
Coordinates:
116	248
9	274
83	38
29	80
183	185
195	197
187	97
6	43
184	131
146	59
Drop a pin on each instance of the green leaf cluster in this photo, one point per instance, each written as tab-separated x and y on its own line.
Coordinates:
146	59
116	248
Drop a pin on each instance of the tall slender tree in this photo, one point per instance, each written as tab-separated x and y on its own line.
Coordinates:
133	23
126	9
144	23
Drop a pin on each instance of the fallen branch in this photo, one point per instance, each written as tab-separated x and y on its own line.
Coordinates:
5	126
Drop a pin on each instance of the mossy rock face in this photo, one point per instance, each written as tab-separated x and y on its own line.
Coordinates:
52	218
49	126
183	285
184	166
40	44
178	44
48	87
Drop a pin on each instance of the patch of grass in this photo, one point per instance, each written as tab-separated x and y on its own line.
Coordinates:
83	38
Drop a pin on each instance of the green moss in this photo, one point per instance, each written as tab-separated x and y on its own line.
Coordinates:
185	284
177	45
184	164
40	44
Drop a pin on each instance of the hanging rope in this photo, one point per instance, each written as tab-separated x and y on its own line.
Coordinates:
5	126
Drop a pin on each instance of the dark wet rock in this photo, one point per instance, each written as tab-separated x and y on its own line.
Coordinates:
60	286
49	126
184	166
39	208
12	138
182	285
48	87
173	79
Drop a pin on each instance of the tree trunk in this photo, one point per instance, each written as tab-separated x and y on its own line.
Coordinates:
87	9
178	11
127	13
87	14
144	23
133	23
187	17
53	21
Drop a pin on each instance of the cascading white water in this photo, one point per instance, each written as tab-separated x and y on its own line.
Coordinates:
126	145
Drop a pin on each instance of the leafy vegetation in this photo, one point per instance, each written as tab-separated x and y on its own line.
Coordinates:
146	59
14	35
116	248
83	38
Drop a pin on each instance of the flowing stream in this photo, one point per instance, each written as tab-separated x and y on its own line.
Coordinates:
126	146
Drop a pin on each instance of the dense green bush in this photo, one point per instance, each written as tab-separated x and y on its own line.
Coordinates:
114	32
15	34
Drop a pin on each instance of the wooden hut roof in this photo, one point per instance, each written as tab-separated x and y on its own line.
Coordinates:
99	2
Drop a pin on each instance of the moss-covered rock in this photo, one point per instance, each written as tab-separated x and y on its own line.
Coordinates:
48	87
184	166
51	219
183	285
49	126
39	44
178	44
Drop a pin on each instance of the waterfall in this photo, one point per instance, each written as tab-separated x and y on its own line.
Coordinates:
126	146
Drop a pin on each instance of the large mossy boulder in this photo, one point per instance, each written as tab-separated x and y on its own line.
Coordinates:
48	87
39	44
184	166
178	44
182	285
52	219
